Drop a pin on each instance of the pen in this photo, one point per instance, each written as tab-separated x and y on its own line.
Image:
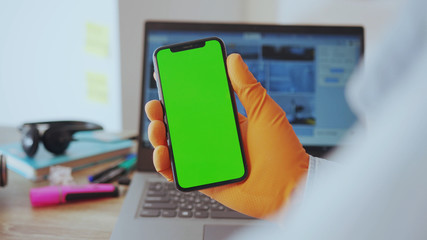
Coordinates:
52	195
123	168
92	178
103	172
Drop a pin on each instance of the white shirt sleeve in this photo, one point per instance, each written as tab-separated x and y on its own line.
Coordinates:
317	167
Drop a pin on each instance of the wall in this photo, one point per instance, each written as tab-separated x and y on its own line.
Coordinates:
265	11
60	60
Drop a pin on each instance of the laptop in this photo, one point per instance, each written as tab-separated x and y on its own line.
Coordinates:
303	68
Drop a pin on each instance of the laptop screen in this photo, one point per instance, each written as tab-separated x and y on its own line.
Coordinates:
303	68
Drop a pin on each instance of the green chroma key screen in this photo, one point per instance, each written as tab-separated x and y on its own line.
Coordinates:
201	121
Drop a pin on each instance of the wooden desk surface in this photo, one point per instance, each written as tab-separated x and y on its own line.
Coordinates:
92	219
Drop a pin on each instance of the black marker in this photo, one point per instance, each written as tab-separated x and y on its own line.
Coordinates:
121	169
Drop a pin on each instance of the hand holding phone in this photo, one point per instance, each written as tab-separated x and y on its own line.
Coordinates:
203	133
276	160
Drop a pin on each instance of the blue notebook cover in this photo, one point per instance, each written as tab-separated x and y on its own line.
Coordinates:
79	154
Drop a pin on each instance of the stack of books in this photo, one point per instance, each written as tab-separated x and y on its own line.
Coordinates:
80	154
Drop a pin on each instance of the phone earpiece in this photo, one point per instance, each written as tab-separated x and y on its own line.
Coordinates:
30	139
56	141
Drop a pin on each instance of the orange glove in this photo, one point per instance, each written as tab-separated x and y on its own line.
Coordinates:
275	157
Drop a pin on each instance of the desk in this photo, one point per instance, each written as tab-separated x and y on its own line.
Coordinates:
92	219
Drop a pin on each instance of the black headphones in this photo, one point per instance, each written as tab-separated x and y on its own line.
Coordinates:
56	135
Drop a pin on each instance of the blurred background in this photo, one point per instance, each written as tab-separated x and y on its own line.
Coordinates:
82	59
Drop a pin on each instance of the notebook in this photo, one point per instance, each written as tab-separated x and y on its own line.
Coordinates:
303	68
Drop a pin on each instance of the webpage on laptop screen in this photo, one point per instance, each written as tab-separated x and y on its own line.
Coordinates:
304	73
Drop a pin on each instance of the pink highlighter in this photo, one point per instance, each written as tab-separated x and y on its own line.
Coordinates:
52	195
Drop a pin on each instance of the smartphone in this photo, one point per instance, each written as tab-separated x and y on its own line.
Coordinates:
200	114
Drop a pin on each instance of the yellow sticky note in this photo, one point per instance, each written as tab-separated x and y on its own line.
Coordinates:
97	41
97	87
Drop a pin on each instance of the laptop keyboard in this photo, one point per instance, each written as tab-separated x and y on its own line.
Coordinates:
164	200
